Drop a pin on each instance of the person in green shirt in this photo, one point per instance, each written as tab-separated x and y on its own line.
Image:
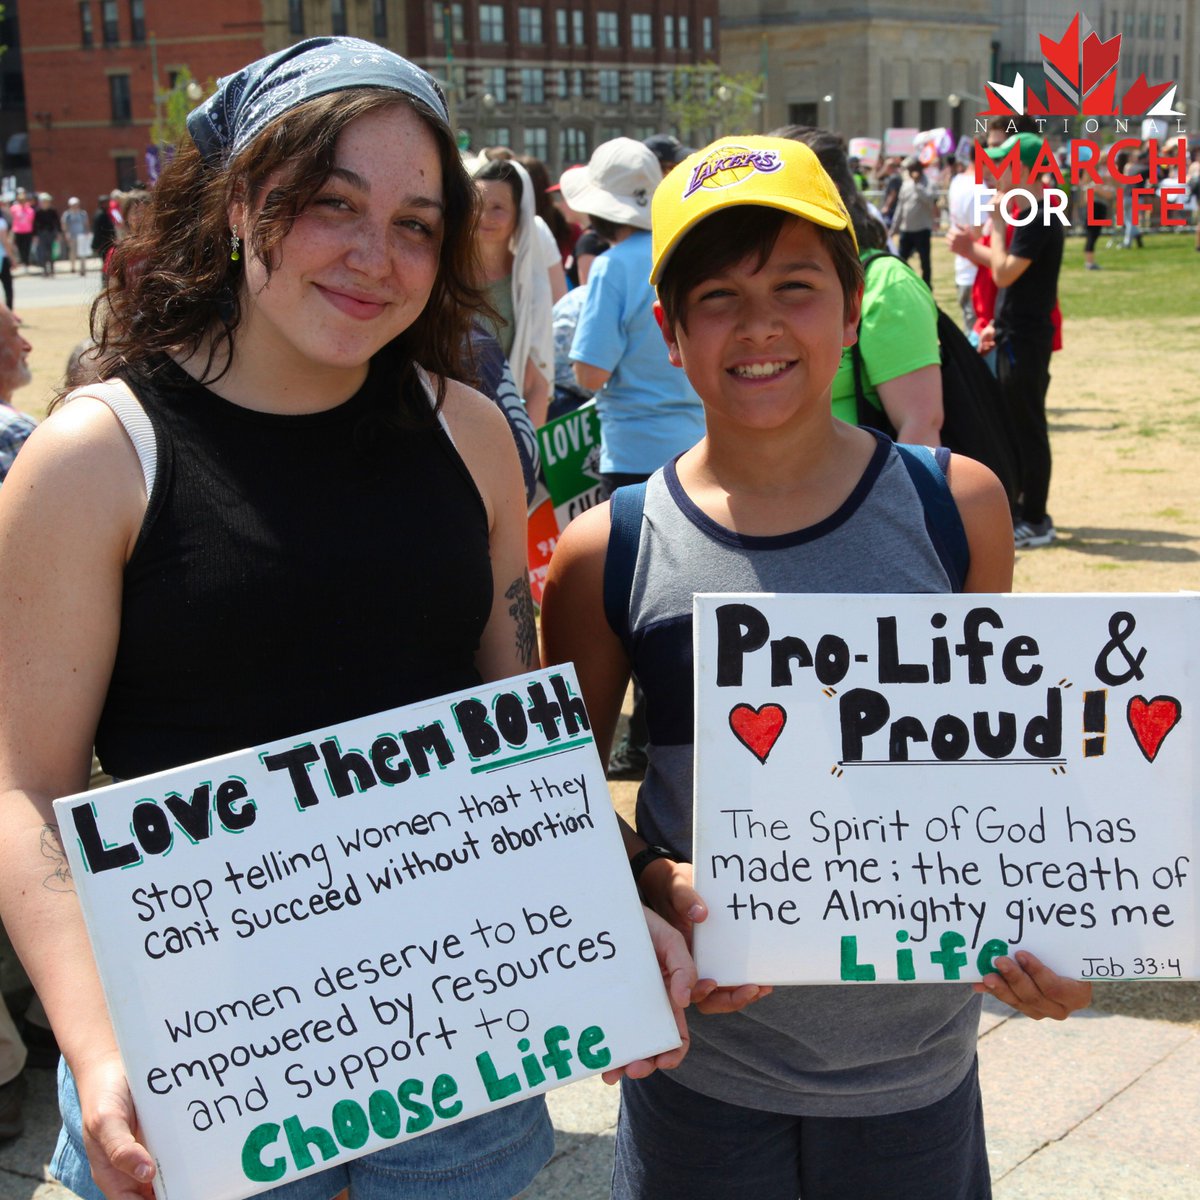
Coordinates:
897	336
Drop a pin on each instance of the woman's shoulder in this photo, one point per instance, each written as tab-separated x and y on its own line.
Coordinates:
891	275
466	409
79	465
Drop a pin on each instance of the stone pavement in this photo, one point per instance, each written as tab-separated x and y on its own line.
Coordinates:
1100	1106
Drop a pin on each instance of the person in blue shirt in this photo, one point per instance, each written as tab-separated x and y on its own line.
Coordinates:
648	413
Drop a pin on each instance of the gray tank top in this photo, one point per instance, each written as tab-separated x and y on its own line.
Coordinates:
834	1051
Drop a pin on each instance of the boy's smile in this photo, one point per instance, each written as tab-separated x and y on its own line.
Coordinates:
763	344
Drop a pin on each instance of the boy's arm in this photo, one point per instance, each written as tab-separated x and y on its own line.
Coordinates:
575	629
1022	980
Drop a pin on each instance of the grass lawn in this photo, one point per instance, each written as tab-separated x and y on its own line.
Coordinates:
1160	282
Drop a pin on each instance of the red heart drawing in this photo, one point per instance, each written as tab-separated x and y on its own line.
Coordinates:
1151	721
757	729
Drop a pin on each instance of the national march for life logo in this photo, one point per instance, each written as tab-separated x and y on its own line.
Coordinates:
1081	71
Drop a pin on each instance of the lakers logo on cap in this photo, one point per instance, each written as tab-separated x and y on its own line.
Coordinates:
729	166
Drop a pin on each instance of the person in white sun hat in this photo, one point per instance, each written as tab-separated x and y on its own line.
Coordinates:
649	413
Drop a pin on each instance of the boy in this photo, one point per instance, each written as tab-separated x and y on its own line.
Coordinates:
821	1092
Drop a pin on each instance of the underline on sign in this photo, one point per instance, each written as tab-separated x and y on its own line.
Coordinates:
955	762
547	752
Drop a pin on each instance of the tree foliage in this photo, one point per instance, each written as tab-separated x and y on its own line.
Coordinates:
170	125
706	102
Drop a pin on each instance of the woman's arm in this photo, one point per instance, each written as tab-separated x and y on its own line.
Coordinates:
1022	980
482	437
70	511
558	280
536	393
913	403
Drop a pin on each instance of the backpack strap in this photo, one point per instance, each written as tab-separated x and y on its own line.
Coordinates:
927	469
866	413
625	509
127	408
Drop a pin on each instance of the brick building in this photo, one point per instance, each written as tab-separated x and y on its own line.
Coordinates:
556	79
90	68
549	79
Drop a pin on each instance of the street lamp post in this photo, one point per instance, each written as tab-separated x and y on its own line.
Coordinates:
956	98
830	99
725	93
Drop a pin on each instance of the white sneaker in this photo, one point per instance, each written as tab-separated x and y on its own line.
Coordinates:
1027	534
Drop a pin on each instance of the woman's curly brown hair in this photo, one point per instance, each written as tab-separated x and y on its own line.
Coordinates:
173	289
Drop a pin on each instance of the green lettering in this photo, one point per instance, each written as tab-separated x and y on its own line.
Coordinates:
299	1140
384	1113
986	962
350	1124
444	1087
852	969
253	1167
950	957
422	1114
594	1060
498	1087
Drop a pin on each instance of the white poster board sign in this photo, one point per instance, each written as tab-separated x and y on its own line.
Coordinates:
894	788
315	948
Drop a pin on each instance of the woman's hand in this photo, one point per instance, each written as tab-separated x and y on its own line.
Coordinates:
121	1165
1025	983
667	887
679	978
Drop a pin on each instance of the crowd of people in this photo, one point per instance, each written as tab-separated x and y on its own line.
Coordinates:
36	238
326	252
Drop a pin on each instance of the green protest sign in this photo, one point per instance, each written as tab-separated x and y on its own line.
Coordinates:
570	447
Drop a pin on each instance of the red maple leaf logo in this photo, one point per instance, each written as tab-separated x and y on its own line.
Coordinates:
1142	97
1099	75
1081	78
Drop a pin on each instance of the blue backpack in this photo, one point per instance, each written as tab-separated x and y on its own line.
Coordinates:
926	468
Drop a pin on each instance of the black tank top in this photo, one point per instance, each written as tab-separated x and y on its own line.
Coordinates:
292	572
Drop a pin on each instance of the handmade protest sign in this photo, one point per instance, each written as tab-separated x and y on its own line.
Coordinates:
570	448
898	788
317	947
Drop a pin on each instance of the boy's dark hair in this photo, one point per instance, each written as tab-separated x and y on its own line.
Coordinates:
737	233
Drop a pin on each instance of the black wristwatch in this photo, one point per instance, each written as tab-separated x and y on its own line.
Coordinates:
643	858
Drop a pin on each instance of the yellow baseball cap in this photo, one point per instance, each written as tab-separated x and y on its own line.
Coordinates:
773	172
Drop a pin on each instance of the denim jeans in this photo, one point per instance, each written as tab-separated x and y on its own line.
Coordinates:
675	1144
489	1157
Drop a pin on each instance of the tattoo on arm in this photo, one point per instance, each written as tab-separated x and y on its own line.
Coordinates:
59	879
521	611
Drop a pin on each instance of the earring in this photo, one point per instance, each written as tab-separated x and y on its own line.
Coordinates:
234	255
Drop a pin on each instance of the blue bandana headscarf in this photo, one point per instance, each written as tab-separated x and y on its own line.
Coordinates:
246	102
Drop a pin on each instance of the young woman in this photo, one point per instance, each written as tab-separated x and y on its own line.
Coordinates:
195	586
515	279
820	1092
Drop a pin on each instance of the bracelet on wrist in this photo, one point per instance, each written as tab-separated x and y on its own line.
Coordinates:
643	858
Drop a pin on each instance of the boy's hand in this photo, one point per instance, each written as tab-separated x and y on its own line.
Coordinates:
1025	983
679	978
667	887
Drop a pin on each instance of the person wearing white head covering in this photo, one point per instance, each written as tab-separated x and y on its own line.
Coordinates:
518	287
648	410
